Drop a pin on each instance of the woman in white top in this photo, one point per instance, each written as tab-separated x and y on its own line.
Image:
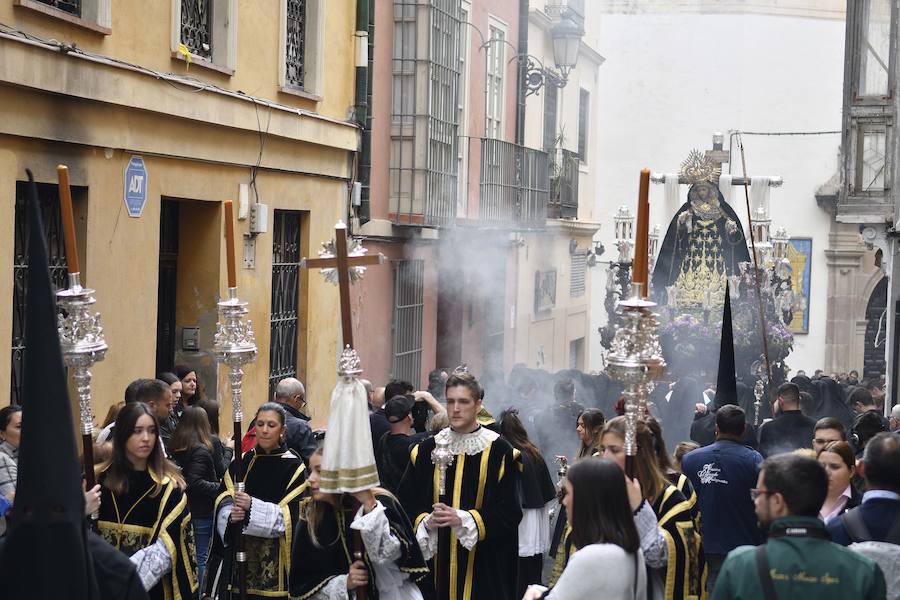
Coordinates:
609	563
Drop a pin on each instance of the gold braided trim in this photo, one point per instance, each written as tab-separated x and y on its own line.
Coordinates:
339	473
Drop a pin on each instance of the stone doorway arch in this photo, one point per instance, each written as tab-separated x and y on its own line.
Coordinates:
876	334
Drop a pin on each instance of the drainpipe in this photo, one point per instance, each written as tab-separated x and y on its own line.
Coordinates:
523	72
361	107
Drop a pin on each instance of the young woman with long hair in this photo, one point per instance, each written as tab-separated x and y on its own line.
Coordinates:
266	512
609	563
589	427
322	566
143	508
191	449
675	477
675	554
191	389
223	450
538	492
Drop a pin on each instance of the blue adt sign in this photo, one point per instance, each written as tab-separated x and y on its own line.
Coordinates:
135	186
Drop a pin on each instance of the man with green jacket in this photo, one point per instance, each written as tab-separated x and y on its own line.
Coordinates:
799	560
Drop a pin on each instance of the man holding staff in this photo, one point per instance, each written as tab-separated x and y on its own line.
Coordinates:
482	510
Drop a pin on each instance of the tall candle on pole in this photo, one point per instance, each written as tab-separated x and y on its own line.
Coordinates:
235	346
80	335
641	267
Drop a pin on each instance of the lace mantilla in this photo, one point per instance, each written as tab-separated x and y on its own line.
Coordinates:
467	443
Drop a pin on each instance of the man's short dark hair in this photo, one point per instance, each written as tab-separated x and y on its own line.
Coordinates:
831	423
397	387
789	392
150	390
881	458
801	480
731	420
862	396
466	380
132	389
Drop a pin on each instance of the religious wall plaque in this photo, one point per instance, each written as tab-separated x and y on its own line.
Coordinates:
544	290
800	257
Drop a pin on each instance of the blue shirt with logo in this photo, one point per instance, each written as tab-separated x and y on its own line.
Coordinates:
723	474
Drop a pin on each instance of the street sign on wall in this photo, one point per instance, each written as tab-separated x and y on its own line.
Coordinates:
135	186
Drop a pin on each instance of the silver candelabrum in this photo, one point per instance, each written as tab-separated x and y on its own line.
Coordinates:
635	358
82	342
234	346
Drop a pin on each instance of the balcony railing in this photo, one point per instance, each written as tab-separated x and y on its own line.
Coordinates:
564	186
514	185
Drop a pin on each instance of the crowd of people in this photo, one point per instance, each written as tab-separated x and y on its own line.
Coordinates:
807	503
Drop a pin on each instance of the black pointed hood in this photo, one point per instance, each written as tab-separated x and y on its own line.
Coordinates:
726	382
45	555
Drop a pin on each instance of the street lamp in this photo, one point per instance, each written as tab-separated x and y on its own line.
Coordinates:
566	36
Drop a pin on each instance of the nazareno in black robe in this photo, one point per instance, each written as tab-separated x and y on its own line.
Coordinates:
486	485
316	565
137	519
279	478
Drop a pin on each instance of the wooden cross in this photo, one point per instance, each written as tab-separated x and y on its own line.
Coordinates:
718	155
342	262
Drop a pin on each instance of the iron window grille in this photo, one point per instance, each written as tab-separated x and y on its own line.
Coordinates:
196	27
409	303
73	7
285	319
424	162
496	67
48	196
295	52
515	185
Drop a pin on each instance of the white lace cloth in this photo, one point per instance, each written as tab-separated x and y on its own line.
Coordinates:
466	533
382	549
672	197
467	443
653	543
266	520
152	563
534	531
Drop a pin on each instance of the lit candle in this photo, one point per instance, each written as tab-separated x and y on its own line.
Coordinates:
229	243
640	268
68	217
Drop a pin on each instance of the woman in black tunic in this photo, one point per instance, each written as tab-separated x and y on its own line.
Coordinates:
143	507
265	512
323	567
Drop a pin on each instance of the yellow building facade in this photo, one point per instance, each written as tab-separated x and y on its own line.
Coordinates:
222	115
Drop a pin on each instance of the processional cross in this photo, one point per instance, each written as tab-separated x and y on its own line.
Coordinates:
343	264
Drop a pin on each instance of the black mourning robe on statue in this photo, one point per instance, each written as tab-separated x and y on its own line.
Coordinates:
485	484
138	518
278	478
317	564
707	244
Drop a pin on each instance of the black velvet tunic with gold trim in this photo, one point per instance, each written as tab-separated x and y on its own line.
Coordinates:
686	571
316	565
486	485
278	478
138	518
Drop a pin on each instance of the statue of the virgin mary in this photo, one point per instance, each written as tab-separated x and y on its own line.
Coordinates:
704	243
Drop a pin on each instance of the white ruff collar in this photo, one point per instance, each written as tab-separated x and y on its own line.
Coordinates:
467	443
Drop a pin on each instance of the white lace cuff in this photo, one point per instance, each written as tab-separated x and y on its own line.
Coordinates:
381	546
336	589
152	563
656	550
222	520
427	539
467	531
266	519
